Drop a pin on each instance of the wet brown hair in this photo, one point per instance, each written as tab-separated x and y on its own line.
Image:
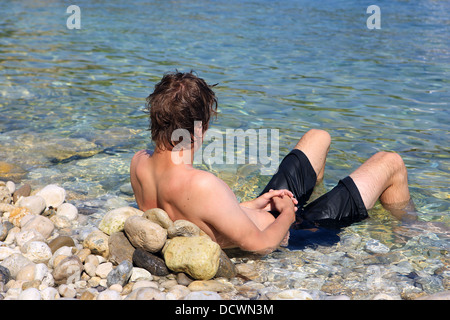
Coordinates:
178	100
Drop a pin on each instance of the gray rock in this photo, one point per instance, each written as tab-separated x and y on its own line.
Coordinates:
120	248
121	274
150	262
376	246
14	263
68	270
5	275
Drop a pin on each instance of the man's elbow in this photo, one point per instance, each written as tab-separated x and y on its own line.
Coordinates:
258	247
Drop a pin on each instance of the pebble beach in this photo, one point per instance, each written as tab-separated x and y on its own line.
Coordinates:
50	250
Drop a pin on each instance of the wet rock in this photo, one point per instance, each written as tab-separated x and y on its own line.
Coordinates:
291	295
445	295
203	295
150	262
210	285
226	268
376	246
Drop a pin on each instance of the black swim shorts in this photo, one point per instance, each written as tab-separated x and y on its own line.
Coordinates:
339	207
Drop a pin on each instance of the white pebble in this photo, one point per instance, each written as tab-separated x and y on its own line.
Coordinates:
30	294
67	291
53	195
109	295
103	269
67	210
11	186
49	293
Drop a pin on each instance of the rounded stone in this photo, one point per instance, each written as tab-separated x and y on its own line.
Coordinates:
68	211
14	263
17	214
150	262
97	242
146	294
36	204
53	195
145	234
114	220
37	251
203	295
40	223
109	295
196	256
49	293
30	294
5	275
183	228
158	216
120	248
68	270
292	295
376	246
23	191
120	274
27	273
61	241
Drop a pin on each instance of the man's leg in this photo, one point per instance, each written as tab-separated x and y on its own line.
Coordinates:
384	176
315	145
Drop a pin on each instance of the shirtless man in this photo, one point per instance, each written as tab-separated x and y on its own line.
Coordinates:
181	99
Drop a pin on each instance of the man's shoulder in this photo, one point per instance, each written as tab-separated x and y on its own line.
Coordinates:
203	178
142	153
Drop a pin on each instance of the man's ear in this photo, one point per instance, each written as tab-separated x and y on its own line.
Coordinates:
198	130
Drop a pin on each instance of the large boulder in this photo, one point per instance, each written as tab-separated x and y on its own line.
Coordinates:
197	256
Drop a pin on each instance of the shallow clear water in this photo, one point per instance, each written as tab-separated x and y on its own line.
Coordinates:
71	108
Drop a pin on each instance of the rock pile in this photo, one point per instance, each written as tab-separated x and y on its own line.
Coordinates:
51	250
132	254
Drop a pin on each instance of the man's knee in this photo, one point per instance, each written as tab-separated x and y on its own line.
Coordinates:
318	136
394	161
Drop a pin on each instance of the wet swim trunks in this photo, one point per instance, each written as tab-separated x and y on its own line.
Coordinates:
339	207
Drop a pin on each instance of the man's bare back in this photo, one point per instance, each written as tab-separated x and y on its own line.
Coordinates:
182	101
200	197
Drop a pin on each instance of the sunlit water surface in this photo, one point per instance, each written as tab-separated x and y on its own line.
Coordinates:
72	101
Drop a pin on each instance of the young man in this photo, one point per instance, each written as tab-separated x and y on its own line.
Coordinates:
182	99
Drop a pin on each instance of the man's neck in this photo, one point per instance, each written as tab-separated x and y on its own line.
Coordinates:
174	158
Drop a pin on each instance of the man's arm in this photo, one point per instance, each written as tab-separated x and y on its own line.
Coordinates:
215	204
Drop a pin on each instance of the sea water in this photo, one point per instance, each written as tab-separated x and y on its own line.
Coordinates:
72	100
